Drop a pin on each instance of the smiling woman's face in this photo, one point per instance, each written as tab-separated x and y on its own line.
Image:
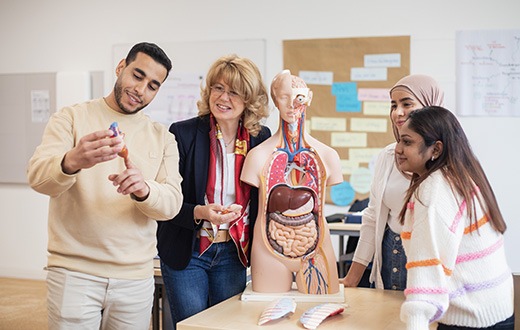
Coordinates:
403	102
225	105
411	151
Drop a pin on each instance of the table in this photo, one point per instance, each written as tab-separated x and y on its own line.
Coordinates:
340	228
343	229
160	301
366	309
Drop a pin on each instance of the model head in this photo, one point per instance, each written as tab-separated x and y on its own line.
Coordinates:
234	90
410	93
290	95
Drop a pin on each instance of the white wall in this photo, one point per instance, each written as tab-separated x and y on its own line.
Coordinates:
53	36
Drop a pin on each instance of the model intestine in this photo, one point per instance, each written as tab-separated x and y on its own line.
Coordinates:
115	129
291	225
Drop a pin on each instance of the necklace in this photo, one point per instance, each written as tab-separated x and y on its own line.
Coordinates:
226	144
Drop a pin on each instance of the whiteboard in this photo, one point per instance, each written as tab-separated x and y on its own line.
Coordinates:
177	97
27	100
20	129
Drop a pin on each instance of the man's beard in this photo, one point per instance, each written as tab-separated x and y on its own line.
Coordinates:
118	93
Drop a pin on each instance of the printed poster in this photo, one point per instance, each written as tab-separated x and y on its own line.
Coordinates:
488	73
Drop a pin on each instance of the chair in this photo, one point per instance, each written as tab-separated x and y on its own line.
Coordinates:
357	206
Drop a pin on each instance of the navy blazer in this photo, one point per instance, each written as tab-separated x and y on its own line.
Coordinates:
176	238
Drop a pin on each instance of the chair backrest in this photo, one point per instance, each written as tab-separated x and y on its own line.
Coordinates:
358	205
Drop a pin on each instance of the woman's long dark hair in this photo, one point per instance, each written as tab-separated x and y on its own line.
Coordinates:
457	162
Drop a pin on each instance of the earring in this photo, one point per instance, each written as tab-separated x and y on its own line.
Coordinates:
433	158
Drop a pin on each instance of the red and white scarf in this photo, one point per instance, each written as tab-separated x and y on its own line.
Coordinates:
217	171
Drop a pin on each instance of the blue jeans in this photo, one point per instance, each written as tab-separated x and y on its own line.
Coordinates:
207	280
393	265
507	324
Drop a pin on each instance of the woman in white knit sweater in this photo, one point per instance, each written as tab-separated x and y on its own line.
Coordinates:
452	232
379	239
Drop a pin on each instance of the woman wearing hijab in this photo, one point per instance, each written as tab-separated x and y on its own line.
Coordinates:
204	250
380	240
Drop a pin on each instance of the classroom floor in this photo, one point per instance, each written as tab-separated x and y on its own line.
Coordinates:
23	304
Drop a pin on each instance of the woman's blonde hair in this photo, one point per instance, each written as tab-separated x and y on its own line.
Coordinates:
243	77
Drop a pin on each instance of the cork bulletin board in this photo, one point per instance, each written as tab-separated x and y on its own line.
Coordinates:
350	79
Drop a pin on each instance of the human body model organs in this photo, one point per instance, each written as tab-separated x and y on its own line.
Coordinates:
115	129
291	170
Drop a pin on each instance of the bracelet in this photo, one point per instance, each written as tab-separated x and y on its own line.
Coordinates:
197	221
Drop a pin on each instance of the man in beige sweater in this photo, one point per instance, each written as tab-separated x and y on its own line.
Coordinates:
103	207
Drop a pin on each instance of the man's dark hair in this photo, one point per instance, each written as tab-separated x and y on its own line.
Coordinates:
151	50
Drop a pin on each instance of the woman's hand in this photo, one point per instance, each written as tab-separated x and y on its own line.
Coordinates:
354	275
218	214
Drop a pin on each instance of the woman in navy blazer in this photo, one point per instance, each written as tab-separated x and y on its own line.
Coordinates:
204	250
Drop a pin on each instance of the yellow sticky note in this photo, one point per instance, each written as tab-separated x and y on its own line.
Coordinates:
363	155
348	166
346	139
360	179
369	125
376	108
328	124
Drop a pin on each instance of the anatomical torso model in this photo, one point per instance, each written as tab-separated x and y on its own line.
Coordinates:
292	169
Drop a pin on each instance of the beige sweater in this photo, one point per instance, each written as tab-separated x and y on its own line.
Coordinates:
92	228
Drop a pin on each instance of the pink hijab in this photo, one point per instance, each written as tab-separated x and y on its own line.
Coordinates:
424	88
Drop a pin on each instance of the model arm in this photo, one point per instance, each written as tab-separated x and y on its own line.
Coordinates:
253	164
333	164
